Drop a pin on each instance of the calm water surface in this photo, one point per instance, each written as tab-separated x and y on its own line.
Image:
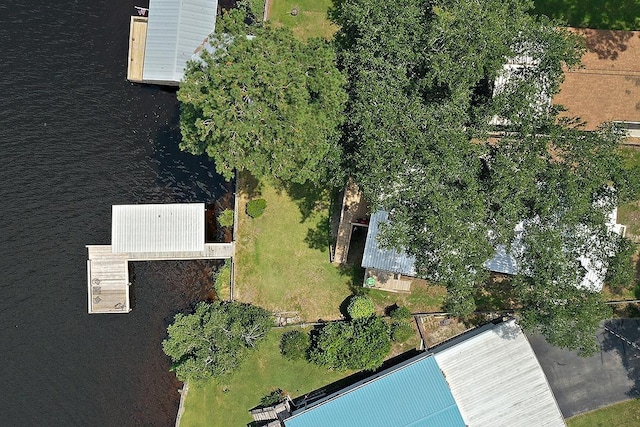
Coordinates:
75	138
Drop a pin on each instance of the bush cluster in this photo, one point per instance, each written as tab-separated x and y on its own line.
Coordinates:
225	219
255	208
401	328
294	345
360	307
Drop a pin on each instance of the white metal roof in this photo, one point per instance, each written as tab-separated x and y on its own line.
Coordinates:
176	28
496	380
158	228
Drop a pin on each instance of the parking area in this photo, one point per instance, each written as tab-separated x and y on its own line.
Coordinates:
583	384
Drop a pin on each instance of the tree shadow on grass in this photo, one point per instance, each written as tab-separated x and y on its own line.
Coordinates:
310	198
356	273
319	237
600	14
249	185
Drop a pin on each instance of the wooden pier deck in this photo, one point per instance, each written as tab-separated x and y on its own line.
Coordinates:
108	272
107	280
137	44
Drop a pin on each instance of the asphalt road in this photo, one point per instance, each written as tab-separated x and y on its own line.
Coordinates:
583	384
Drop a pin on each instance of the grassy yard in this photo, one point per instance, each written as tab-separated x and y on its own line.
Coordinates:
227	403
600	14
311	20
629	213
282	259
619	415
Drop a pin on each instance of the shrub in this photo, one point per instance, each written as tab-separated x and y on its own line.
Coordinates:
225	219
256	207
401	331
222	278
360	306
358	344
294	345
400	314
273	398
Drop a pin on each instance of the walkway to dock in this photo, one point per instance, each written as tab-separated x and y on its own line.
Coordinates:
108	272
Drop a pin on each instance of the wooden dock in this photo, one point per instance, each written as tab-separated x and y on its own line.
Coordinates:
107	280
108	272
137	44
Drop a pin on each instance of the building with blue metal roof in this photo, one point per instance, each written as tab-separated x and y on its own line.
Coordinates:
488	376
414	393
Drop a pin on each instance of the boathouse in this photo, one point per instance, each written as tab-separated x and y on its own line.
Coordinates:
488	376
161	44
153	232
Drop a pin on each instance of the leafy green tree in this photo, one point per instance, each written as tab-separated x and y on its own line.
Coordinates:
294	345
421	140
360	306
214	340
264	102
621	271
358	344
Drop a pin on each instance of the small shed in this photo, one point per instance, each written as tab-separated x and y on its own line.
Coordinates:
161	44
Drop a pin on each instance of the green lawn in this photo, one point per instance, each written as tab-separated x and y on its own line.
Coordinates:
619	415
311	20
282	259
629	213
600	14
227	403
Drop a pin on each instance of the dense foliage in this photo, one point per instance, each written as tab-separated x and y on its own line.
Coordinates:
214	340
622	271
263	101
294	345
358	344
256	207
401	331
459	162
225	219
360	306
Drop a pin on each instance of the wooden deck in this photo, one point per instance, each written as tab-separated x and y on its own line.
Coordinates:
107	280
108	272
353	208
137	43
387	281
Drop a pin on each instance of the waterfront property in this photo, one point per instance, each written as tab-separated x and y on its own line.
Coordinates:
487	376
153	232
161	44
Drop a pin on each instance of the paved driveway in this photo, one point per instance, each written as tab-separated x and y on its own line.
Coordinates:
583	384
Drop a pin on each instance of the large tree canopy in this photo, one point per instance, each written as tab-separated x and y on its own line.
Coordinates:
214	340
268	103
458	160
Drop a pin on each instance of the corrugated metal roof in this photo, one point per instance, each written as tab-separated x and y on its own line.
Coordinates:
158	228
496	380
175	29
385	259
415	394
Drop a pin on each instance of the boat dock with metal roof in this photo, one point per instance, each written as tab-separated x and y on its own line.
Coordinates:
145	233
161	44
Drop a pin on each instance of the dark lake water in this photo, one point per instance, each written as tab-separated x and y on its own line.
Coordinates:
75	138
